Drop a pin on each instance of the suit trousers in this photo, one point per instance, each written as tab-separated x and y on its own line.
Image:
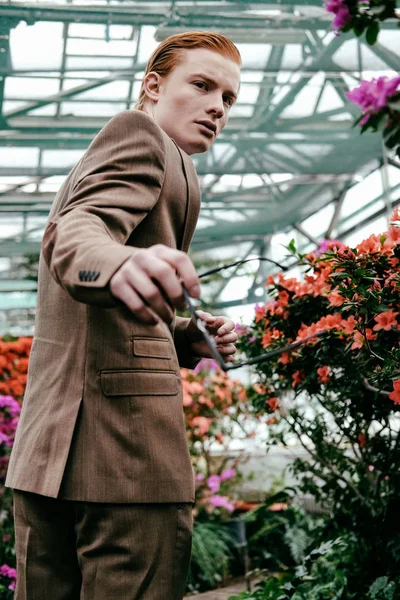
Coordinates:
70	550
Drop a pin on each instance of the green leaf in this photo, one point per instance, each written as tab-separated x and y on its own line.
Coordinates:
372	33
292	246
358	27
394	105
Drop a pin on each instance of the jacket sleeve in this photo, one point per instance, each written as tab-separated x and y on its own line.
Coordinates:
118	183
183	347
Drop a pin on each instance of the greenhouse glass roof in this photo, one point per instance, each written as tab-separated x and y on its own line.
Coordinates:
289	163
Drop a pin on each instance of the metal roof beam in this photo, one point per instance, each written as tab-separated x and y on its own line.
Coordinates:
65	94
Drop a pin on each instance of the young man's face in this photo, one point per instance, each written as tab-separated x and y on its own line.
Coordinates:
192	103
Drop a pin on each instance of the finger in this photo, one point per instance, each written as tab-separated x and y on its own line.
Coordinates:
135	303
229	338
205	316
183	265
230	358
227	349
226	327
151	294
166	278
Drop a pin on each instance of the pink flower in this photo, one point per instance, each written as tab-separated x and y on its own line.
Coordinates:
213	482
199	477
228	474
14	407
341	12
222	501
373	95
205	364
6	571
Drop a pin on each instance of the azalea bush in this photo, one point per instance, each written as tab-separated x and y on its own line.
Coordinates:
338	394
361	16
217	411
14	357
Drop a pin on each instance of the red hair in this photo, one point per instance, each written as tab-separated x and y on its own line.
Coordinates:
169	53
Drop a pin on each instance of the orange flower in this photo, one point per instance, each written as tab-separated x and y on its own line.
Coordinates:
386	320
272	403
260	313
283	298
394	234
369	246
187	399
271	420
195	387
276	334
348	325
260	389
395	395
270	280
285	358
335	299
202	423
370	335
323	374
266	339
297	377
358	341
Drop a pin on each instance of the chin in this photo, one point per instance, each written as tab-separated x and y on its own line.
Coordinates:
198	147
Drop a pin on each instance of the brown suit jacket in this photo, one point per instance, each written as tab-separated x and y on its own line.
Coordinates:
102	419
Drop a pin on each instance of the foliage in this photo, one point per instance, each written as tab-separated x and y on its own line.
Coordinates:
380	105
212	547
319	577
338	394
362	16
216	412
14	356
279	533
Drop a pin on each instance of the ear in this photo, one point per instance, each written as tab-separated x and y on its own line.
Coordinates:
152	85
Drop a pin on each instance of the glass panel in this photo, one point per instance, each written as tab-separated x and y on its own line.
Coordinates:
26	88
37	46
18	157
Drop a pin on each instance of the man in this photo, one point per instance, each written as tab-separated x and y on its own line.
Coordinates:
100	466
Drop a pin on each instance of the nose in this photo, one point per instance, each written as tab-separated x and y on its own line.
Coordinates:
217	106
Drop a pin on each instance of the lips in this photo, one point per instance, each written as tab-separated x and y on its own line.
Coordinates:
209	125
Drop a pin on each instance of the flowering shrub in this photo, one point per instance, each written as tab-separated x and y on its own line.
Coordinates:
14	357
216	411
338	394
361	16
379	100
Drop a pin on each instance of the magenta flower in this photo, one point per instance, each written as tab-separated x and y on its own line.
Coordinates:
6	571
373	95
14	407
341	12
206	364
213	482
222	501
327	245
227	474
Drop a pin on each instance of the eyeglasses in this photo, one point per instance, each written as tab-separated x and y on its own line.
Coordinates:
209	339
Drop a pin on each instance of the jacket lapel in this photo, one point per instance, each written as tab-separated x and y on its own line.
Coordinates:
193	200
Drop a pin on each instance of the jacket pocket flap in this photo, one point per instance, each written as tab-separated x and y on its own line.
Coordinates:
139	383
151	347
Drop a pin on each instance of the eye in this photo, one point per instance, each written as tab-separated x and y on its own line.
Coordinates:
201	85
228	100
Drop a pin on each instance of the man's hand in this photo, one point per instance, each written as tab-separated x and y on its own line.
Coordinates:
150	283
222	328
